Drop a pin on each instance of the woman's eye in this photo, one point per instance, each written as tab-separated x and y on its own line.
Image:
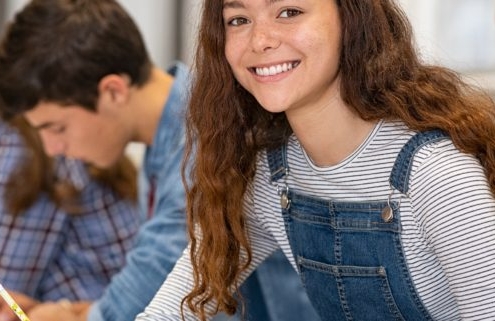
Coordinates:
237	21
288	13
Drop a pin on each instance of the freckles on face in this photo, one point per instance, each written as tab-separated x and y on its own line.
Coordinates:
286	53
232	48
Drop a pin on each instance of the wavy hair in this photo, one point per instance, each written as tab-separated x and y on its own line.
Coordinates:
382	77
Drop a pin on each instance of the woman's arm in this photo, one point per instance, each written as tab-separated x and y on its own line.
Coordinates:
456	210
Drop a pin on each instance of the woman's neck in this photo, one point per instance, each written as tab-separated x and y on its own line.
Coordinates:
329	134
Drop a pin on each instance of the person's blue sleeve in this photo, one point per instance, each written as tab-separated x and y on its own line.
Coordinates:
160	243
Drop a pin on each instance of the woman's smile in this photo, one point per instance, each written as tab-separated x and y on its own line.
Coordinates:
274	69
286	54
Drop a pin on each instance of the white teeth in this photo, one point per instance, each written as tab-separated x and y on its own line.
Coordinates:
274	70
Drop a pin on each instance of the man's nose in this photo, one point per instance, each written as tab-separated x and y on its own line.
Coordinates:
53	146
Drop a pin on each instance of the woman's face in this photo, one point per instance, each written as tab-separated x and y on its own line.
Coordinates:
284	52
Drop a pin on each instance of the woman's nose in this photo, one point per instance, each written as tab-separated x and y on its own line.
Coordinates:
264	37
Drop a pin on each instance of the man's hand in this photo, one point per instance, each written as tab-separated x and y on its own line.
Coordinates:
60	311
25	302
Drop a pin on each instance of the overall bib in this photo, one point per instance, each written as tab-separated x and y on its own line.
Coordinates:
349	254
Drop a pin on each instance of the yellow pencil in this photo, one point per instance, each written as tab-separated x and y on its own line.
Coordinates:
12	304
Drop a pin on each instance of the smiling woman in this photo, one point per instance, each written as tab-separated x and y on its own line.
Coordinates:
364	165
256	45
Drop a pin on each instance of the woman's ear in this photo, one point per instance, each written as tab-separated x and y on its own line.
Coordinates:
113	89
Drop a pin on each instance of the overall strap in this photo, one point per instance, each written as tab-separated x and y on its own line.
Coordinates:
277	160
399	177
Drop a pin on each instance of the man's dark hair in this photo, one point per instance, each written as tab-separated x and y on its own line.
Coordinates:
58	51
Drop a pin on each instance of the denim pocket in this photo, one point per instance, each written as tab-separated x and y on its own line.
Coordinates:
359	293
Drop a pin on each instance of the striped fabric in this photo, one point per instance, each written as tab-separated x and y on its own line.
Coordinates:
448	220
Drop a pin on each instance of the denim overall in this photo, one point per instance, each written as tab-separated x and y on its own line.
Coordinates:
349	254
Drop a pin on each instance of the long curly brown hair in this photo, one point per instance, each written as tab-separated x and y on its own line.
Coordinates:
382	77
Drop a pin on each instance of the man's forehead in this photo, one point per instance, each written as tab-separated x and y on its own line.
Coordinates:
45	114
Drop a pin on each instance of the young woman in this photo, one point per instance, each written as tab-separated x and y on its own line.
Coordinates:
319	131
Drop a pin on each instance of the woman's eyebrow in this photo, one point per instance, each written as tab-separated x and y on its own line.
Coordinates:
238	4
232	4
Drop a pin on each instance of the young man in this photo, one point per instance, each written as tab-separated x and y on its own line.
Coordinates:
79	73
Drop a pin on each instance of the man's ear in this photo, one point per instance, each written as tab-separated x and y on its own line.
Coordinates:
113	89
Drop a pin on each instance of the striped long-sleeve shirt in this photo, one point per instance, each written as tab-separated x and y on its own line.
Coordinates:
447	217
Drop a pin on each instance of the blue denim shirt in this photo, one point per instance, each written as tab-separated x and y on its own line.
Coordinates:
163	237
